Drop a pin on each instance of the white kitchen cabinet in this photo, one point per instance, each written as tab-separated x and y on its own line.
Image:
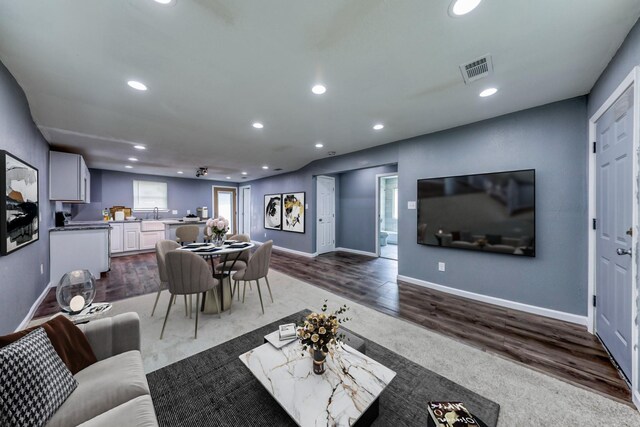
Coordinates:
131	237
148	239
78	249
69	178
117	238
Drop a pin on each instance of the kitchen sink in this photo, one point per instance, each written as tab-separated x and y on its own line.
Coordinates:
152	225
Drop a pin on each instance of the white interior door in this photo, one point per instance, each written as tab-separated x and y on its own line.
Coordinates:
614	195
224	204
325	214
244	216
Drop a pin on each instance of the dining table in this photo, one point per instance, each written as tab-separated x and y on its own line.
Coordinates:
230	250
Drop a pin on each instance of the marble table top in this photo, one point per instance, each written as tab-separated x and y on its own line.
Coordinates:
351	383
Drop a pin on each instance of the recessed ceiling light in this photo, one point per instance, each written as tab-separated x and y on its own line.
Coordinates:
163	1
228	177
258	125
139	147
488	92
180	172
318	89
129	167
319	145
137	85
265	167
244	173
462	7
378	126
133	159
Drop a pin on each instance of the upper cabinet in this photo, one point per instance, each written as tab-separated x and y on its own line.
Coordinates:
69	178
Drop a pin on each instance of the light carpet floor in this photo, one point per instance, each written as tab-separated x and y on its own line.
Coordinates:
526	397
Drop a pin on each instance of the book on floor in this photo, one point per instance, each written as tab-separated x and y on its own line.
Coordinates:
287	331
451	414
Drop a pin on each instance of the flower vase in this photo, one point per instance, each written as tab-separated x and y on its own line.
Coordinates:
319	358
218	240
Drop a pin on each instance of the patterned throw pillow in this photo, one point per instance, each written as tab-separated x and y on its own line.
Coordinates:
34	381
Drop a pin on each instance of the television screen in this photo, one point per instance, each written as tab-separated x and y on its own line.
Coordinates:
491	212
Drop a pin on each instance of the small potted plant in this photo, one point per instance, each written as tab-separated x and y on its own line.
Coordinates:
318	333
217	228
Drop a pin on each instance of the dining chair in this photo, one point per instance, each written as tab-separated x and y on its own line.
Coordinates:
243	258
189	274
187	234
257	268
162	248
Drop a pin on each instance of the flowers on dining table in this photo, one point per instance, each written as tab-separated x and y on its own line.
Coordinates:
319	331
217	226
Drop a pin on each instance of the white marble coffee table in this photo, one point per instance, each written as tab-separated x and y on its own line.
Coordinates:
347	391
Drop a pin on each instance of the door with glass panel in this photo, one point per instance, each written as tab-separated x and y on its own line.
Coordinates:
224	204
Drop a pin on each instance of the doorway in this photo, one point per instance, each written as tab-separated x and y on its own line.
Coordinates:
326	214
387	215
244	213
614	140
224	204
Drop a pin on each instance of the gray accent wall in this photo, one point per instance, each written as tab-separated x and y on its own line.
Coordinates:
304	179
113	188
627	57
356	208
20	280
551	140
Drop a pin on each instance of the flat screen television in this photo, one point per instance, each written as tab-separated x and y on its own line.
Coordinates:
489	212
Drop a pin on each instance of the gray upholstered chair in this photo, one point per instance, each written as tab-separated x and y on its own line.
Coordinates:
187	234
243	259
189	274
257	268
162	247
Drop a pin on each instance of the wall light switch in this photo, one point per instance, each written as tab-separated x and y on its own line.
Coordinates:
411	204
265	234
306	205
188	212
174	212
41	268
441	266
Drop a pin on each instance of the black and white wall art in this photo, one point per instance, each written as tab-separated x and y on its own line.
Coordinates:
293	212
19	205
273	211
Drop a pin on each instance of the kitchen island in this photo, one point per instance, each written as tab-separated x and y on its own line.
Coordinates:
83	247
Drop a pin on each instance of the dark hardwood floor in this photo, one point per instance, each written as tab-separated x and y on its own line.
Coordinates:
560	349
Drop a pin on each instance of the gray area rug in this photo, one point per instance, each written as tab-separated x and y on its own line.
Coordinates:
214	388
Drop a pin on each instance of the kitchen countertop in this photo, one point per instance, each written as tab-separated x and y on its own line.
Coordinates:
167	221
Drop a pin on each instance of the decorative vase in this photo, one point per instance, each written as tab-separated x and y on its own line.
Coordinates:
76	290
319	358
218	240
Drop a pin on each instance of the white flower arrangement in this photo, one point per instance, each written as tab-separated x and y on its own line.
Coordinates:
217	226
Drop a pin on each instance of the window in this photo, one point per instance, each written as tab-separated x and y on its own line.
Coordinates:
148	195
395	204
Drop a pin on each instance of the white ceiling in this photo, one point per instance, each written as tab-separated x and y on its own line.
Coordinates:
215	66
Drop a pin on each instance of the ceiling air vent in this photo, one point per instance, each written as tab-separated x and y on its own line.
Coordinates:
477	69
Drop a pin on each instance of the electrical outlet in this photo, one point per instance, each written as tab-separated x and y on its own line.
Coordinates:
174	212
441	266
41	268
265	234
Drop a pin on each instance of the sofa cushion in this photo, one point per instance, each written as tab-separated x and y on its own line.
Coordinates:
34	382
103	386
67	339
137	412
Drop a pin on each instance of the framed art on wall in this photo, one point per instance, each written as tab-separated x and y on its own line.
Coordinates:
293	212
273	211
19	205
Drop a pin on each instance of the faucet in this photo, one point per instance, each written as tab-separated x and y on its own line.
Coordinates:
156	212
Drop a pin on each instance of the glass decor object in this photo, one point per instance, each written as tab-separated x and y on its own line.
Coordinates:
76	290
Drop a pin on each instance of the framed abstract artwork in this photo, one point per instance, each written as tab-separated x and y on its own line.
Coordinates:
273	211
293	212
19	204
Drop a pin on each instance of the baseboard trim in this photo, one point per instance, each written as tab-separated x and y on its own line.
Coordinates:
358	252
291	251
547	312
140	251
34	307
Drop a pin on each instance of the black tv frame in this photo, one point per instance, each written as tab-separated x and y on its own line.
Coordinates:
535	251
